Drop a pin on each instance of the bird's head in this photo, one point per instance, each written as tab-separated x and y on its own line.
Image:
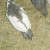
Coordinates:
10	1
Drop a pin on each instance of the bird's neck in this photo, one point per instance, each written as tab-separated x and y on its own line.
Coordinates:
10	1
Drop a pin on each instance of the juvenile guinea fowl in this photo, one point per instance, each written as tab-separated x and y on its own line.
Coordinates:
18	18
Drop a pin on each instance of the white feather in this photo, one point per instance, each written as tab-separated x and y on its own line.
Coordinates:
25	19
17	24
8	3
48	2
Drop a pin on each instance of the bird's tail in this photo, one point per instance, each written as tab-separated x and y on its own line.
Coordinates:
28	34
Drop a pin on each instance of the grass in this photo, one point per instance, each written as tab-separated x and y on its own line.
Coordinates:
10	39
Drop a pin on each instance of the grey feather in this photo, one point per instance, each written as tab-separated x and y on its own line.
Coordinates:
14	10
41	6
28	34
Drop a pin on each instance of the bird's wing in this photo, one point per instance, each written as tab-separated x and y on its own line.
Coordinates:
25	19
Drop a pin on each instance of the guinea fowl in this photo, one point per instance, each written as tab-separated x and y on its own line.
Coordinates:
18	18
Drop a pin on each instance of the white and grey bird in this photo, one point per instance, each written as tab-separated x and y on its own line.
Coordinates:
18	18
41	6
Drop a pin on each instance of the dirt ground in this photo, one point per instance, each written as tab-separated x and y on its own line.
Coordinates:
11	39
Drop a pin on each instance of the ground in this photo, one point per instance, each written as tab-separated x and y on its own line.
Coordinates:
11	39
